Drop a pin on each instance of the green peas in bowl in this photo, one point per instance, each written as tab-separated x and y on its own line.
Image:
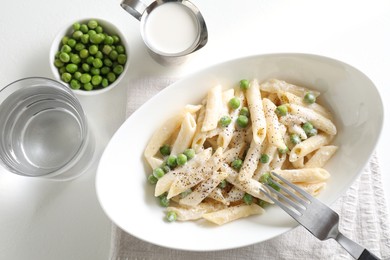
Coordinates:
90	56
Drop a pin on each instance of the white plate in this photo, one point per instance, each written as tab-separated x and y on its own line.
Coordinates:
128	200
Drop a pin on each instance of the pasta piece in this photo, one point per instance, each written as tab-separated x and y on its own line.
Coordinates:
296	129
161	136
195	176
309	145
251	160
232	213
255	106
313	117
270	151
217	195
199	137
274	131
275	85
213	109
203	189
321	156
312	188
194	213
300	163
278	161
306	175
235	194
186	134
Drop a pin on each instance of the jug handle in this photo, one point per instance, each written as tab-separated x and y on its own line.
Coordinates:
134	7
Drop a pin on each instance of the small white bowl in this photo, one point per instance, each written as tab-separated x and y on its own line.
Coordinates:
66	31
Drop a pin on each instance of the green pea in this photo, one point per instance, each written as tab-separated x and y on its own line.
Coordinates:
171	216
262	203
94	71
84	28
74	58
79	46
88	86
90	33
85	38
165	150
309	98
66	77
96	38
77	34
62	70
244	84
111	77
57	54
244	112
118	69
248	199
113	55
116	38
158	173
122	58
71	68
58	63
190	153
77	75
93	49
120	49
185	193
84	53
99	29
97	63
106	49
89	60
264	158
225	121
64	40
222	184
105	70
171	161
92	24
152	180
75	84
71	43
295	139
236	164
64	57
66	48
281	110
76	26
242	121
105	83
312	132
234	103
307	127
85	78
99	55
164	201
265	178
181	159
85	67
109	40
107	62
96	80
282	151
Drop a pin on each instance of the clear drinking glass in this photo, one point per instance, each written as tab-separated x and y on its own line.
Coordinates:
43	130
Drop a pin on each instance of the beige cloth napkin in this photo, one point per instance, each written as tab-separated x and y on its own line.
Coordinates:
363	218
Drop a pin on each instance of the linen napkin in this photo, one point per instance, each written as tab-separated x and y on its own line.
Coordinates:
363	217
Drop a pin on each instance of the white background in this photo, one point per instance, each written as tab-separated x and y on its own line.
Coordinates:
43	220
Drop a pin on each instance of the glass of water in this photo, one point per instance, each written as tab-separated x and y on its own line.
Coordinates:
43	130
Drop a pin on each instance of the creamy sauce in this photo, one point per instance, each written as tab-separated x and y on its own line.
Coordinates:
171	28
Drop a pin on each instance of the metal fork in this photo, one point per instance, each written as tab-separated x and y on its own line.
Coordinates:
316	217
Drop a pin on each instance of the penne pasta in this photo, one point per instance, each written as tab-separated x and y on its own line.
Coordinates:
185	135
224	216
321	156
213	109
255	106
309	145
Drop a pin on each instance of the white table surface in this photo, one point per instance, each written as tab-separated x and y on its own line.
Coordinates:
40	219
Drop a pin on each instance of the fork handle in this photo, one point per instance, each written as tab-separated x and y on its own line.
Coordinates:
367	255
354	249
